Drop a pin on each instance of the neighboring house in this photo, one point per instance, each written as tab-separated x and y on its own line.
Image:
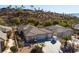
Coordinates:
60	31
76	26
5	28
3	38
33	33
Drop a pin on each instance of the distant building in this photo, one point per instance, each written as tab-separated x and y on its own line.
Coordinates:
59	30
33	33
3	38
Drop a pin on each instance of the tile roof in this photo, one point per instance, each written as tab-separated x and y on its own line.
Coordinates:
30	30
58	28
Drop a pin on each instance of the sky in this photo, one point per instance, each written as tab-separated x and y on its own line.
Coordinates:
54	8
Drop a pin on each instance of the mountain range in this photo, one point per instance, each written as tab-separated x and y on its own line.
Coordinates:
75	14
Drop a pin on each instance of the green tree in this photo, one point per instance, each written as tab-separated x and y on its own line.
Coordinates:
9	6
32	7
22	7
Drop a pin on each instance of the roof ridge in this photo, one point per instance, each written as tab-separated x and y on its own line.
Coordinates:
43	30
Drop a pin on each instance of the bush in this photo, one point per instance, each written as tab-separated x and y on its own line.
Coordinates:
55	22
14	49
37	49
15	21
33	21
47	23
66	37
2	22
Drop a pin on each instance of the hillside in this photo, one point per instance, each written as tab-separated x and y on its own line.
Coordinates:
17	16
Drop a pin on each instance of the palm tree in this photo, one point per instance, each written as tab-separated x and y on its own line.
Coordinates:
32	7
16	7
39	8
9	6
22	7
35	9
42	10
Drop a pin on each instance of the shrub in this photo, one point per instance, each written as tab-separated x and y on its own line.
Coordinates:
15	21
55	22
37	49
33	21
14	49
47	23
2	22
66	37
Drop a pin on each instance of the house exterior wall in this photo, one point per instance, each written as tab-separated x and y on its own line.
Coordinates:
60	34
50	35
39	37
0	47
29	38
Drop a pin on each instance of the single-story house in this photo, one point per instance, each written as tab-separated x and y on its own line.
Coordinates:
59	30
33	33
5	28
3	38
